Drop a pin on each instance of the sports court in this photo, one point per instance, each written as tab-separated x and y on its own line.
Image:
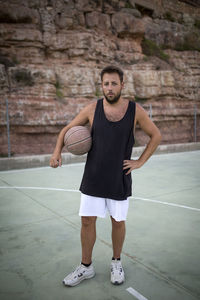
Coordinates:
40	245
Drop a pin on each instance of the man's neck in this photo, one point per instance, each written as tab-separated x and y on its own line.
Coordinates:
115	104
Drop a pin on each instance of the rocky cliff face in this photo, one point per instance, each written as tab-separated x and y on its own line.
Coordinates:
52	52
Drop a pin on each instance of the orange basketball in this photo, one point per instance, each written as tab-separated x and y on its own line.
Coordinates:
78	140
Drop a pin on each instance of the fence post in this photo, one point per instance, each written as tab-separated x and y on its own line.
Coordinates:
195	123
150	111
8	127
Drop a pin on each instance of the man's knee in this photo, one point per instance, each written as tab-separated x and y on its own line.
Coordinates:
117	224
88	221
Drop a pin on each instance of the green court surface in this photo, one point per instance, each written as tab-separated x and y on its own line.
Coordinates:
40	234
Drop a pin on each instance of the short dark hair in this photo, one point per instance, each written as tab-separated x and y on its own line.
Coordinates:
112	69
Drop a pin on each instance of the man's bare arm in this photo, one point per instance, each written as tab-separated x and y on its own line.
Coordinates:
152	131
80	120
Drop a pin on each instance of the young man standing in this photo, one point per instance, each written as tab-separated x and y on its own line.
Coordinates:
106	182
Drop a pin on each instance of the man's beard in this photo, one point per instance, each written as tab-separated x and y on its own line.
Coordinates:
113	100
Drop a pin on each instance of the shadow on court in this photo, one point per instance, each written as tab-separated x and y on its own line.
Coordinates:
40	244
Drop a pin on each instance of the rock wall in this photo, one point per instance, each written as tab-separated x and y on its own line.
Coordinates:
52	52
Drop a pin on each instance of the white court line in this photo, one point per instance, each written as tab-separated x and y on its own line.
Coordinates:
166	203
42	168
136	294
77	191
38	188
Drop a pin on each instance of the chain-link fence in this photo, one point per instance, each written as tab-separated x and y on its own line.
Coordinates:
178	124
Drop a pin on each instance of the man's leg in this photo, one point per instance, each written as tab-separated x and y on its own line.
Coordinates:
85	270
118	236
88	238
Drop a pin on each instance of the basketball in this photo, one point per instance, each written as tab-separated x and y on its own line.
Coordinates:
78	140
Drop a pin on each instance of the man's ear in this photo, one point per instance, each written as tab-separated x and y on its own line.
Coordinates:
123	84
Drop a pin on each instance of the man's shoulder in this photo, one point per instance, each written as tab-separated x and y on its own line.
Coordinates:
90	107
141	113
139	107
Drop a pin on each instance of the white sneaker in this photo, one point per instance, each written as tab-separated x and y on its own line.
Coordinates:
80	273
117	272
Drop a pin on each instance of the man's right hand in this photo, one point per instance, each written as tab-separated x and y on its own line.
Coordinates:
55	161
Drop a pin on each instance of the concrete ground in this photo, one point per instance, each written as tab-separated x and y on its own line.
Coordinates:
39	234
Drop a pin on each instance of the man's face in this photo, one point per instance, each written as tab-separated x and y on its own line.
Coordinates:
112	87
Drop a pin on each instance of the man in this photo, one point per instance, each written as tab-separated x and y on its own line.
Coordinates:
106	183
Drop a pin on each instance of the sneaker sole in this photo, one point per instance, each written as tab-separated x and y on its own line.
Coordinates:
81	279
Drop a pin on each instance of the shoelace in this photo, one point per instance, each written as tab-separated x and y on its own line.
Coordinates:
117	266
75	271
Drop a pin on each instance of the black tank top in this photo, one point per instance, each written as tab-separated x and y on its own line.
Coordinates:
112	142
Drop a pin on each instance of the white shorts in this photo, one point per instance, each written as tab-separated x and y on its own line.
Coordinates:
98	207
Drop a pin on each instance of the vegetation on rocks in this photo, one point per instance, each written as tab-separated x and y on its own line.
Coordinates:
23	77
150	48
191	42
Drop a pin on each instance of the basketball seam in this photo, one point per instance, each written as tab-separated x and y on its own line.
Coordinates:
73	133
79	141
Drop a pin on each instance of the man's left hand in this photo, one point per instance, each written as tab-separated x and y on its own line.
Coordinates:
131	165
